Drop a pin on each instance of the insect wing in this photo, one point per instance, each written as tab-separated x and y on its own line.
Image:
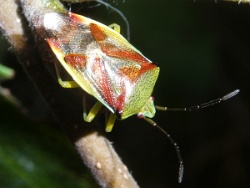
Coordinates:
102	62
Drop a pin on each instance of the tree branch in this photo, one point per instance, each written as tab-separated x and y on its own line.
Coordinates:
26	36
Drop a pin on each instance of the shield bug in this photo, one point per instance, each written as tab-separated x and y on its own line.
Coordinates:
105	65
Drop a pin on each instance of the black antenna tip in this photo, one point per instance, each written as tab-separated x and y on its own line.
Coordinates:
181	172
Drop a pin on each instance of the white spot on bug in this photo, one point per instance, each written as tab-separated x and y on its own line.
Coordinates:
52	21
18	20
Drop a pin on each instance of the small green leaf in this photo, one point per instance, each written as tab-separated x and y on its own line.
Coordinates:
5	72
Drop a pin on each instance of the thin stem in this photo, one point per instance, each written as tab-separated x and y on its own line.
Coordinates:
95	150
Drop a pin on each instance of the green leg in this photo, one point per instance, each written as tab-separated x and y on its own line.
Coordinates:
92	113
64	84
72	84
94	110
110	123
116	27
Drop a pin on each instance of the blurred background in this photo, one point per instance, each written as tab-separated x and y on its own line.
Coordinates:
203	50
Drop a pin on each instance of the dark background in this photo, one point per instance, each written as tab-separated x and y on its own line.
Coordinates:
203	49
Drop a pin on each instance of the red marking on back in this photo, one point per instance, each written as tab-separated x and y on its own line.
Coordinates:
131	56
103	81
76	18
120	103
121	52
75	60
97	32
130	72
146	67
105	86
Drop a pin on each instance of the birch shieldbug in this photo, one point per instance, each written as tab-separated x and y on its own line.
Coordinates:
105	65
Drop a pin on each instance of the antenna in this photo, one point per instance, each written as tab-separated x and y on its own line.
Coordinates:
203	105
192	108
177	149
120	13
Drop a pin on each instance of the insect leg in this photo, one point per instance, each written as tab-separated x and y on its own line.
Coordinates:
93	111
110	122
116	27
88	117
64	84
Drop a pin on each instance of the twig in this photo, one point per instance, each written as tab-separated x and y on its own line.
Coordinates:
95	150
